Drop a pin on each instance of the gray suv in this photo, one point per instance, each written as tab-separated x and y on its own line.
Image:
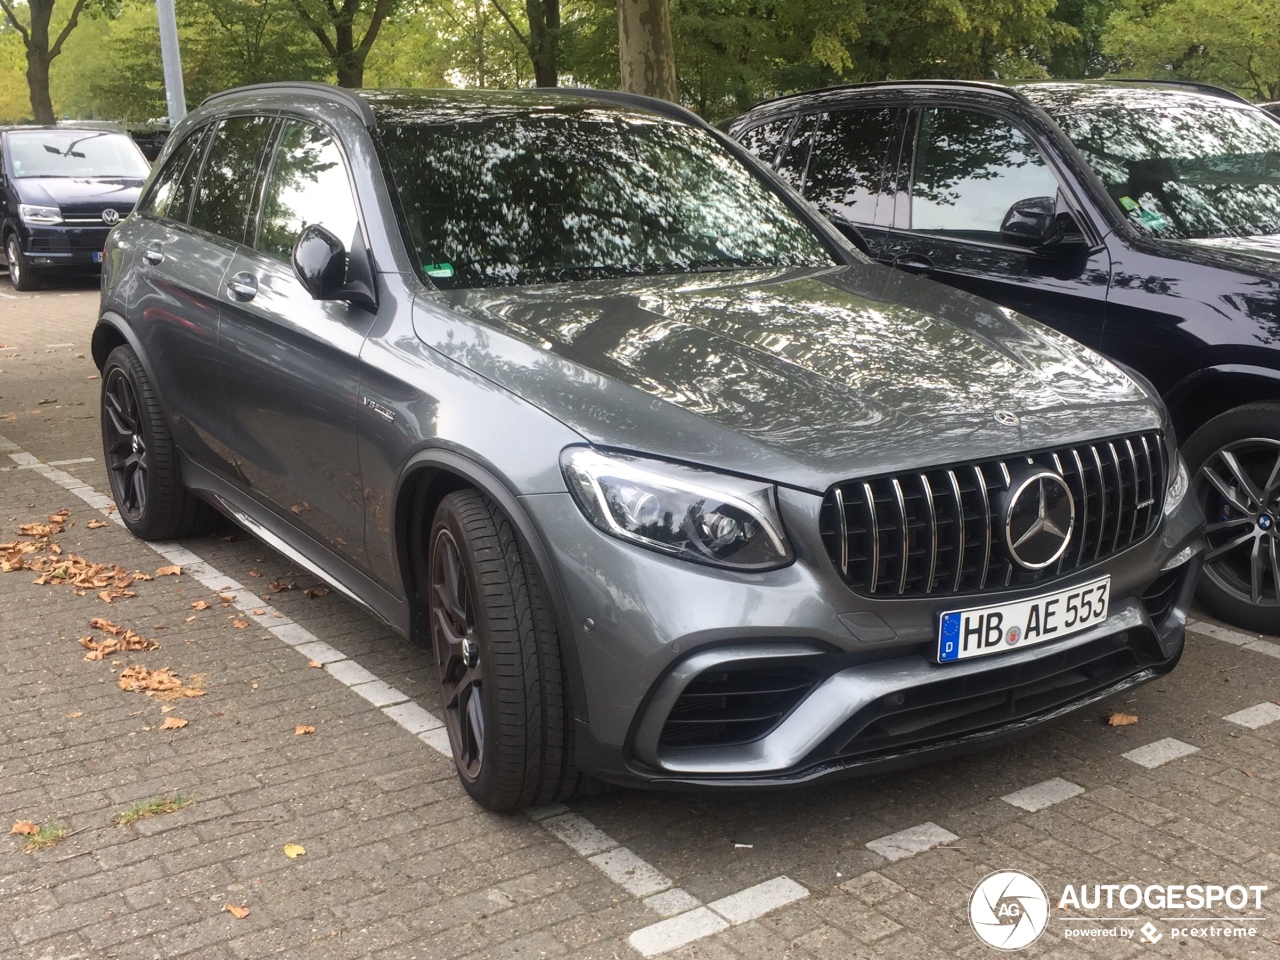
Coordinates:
674	485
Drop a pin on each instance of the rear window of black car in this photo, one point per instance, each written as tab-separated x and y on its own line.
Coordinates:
580	193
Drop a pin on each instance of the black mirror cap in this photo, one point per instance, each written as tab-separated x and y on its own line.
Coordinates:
328	272
1037	224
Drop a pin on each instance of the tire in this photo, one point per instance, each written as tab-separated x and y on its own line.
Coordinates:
21	275
1234	461
142	462
497	653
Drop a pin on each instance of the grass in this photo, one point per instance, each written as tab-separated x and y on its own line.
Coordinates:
156	807
50	833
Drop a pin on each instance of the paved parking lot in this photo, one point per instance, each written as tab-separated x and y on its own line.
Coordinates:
312	726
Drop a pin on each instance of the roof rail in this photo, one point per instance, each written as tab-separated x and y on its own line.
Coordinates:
337	94
665	107
1193	86
882	84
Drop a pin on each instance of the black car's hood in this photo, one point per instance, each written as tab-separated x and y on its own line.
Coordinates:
1249	249
79	194
803	376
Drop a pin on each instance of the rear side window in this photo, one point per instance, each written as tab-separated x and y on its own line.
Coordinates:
226	192
766	140
307	185
848	172
170	194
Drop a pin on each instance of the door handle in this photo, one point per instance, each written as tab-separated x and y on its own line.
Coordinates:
914	263
243	287
154	253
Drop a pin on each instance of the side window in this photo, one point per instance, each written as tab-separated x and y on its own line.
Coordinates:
970	168
170	194
848	171
307	185
766	140
794	159
226	191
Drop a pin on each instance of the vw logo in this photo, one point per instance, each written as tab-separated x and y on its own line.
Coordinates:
1039	516
1008	910
110	216
1007	418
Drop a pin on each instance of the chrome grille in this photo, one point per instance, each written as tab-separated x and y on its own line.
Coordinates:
936	532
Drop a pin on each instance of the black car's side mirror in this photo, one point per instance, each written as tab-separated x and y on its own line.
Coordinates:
328	272
1037	224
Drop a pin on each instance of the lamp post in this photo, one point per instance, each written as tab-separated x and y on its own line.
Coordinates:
175	95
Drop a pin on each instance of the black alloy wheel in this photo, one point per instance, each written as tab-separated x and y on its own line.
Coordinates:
453	634
503	691
142	461
1236	480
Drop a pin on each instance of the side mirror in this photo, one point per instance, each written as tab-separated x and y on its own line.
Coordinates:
328	272
1037	224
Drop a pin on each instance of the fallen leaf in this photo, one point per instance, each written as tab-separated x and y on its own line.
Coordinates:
172	570
26	828
1119	719
259	612
173	723
106	626
238	912
75	715
279	585
1249	774
315	664
162	684
239	624
254	573
189	619
96	524
226	599
294	850
312	592
200	604
302	730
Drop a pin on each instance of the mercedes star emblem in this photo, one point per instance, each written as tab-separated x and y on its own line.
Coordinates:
1039	518
1007	418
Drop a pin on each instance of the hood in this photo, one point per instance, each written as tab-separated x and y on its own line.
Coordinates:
79	194
803	377
1254	249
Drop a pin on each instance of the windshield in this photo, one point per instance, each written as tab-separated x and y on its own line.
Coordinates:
1179	166
76	153
580	192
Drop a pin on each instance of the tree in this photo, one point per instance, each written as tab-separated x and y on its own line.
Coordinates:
646	53
541	38
36	38
1231	43
346	53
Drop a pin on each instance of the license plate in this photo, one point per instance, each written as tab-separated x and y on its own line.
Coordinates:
980	631
97	256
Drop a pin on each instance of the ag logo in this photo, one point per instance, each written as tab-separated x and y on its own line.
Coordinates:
1008	910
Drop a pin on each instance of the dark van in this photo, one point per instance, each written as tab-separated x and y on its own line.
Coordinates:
64	188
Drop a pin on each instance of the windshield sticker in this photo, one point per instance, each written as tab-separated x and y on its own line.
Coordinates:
1153	220
441	271
1128	203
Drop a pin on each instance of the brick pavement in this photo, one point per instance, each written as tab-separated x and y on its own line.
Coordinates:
399	863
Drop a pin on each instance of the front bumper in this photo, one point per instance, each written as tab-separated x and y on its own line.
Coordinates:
65	247
842	684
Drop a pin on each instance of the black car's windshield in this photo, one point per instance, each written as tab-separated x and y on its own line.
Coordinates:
1180	166
580	192
76	153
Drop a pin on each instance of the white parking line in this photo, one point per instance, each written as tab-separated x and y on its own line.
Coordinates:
1041	795
657	891
1255	716
909	842
1235	637
1159	753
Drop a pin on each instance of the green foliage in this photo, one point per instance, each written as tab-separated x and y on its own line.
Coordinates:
1233	43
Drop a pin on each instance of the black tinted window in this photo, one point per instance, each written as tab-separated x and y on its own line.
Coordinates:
848	171
970	168
170	194
766	139
230	176
794	159
582	192
307	185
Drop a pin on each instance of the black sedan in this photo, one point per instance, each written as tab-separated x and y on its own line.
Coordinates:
1142	220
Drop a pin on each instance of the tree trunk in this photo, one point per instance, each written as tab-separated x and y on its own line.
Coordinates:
646	52
38	82
544	37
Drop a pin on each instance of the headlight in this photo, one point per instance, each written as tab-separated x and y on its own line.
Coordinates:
1177	485
39	216
688	513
